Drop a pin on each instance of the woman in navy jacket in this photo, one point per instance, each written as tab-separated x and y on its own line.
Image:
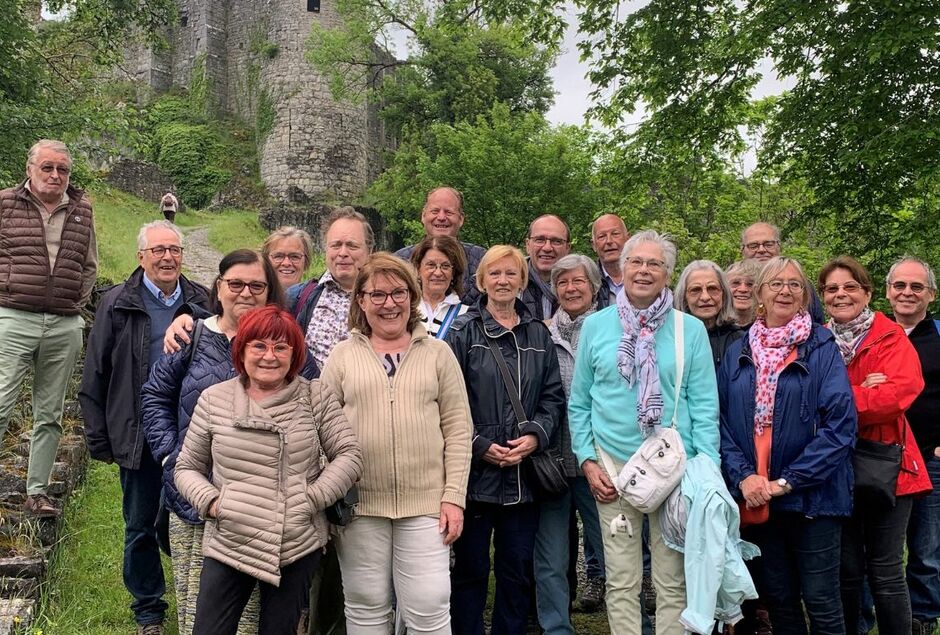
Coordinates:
785	386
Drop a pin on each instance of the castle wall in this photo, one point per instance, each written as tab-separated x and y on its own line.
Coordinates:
317	149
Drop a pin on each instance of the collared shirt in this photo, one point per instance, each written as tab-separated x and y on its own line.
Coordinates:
434	318
613	286
329	321
168	300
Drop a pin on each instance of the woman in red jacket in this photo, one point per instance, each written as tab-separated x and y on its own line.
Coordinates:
885	374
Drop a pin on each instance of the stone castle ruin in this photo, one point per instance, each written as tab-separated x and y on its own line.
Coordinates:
252	51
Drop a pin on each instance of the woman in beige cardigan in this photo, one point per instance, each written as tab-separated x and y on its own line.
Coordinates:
404	394
260	437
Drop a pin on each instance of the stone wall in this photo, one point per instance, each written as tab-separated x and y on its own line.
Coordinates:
141	178
326	150
311	216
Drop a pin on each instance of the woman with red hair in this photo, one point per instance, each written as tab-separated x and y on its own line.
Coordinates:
251	465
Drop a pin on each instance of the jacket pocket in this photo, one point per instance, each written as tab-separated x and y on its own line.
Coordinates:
220	502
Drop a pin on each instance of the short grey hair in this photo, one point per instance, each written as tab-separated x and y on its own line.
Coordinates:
748	268
651	236
47	144
774	229
726	315
157	224
572	262
931	278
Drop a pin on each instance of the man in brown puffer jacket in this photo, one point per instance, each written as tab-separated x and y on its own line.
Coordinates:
48	264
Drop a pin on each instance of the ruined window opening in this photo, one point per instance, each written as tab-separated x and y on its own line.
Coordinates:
184	17
313	6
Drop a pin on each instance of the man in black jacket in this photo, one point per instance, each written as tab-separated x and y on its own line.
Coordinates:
911	287
126	339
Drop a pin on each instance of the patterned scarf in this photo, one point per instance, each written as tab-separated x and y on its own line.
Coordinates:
636	355
770	347
849	335
570	328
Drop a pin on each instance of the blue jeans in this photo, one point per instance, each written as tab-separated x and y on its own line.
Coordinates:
512	529
551	565
923	549
143	572
800	558
593	543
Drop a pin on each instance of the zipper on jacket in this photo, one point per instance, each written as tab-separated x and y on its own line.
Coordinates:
519	391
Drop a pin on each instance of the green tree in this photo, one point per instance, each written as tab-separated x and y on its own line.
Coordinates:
860	126
464	56
510	168
51	73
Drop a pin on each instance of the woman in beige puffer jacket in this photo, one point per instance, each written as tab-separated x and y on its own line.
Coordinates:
259	436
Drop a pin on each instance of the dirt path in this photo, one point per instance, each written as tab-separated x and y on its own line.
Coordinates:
200	262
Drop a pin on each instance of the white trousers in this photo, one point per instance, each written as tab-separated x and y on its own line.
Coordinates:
409	553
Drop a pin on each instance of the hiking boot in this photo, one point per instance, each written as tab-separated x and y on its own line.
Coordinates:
40	506
592	596
762	622
150	629
923	628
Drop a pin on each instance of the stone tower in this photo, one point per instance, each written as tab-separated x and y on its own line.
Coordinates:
315	148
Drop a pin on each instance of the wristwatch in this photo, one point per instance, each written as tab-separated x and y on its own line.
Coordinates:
782	482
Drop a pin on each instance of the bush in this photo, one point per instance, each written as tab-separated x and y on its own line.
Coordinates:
193	155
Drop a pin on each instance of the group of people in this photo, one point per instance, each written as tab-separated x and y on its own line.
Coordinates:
432	379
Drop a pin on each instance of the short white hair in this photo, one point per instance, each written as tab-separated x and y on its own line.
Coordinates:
47	144
651	236
931	278
572	262
157	224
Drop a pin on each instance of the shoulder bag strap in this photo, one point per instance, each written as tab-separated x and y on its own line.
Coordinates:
680	361
507	379
448	320
194	341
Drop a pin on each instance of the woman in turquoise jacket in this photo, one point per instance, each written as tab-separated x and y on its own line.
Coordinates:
624	385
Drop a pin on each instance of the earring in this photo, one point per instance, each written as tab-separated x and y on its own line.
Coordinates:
761	309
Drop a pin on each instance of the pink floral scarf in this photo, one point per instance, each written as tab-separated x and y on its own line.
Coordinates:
770	348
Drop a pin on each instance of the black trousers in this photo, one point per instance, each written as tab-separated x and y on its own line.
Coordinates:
224	592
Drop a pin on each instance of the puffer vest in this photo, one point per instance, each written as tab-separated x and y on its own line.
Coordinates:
25	280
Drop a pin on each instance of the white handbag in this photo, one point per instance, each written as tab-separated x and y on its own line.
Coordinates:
656	468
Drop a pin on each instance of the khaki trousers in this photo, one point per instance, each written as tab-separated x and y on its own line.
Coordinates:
50	344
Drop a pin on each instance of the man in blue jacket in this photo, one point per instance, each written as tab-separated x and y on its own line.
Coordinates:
126	339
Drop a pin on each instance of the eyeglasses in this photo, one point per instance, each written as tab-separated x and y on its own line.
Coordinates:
237	286
444	267
350	245
916	287
571	282
539	241
434	211
378	297
651	264
279	256
614	234
848	287
49	169
260	348
712	290
795	286
766	244
175	250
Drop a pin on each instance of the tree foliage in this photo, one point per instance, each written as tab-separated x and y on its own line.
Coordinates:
463	57
51	73
510	168
859	127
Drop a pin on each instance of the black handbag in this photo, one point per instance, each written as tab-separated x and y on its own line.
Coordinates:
544	470
877	466
341	512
